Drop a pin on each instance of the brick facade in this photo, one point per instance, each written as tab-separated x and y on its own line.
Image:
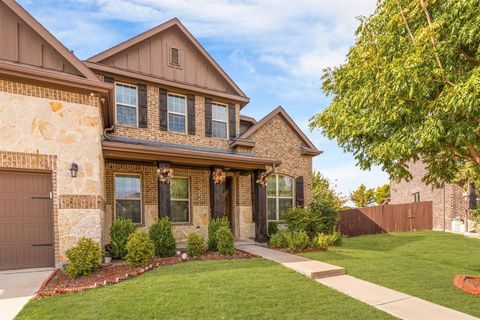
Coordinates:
448	201
153	132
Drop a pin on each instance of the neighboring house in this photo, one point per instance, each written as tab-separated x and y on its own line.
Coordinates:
448	202
150	128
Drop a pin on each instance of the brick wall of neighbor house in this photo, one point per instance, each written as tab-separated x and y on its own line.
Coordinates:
46	129
154	133
277	140
448	202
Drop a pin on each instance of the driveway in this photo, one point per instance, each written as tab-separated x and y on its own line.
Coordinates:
17	287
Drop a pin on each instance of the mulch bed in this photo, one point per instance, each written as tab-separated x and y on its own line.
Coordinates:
469	284
59	282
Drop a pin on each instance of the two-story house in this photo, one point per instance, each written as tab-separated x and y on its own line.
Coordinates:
150	128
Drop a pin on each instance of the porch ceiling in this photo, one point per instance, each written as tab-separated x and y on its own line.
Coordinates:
141	150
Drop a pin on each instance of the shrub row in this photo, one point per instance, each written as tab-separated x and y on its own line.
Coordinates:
299	240
220	238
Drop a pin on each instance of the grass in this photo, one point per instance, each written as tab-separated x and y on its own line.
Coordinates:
228	289
421	264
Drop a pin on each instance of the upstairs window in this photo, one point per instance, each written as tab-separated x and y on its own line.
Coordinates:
416	197
126	104
128	203
177	113
219	120
279	196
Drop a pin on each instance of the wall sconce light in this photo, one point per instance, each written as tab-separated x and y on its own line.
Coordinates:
74	170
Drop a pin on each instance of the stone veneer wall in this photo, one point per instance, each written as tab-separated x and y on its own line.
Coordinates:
154	133
46	129
278	141
447	201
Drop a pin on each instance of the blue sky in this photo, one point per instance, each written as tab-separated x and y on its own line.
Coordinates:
274	50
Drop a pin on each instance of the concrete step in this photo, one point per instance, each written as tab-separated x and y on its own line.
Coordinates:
315	269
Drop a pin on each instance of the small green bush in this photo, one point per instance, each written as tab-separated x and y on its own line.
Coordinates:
278	240
195	245
84	259
225	241
140	249
213	227
161	233
301	219
322	241
337	238
119	233
272	228
298	240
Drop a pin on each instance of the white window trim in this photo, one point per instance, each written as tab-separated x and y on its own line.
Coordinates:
277	197
185	200
126	104
224	121
177	113
115	194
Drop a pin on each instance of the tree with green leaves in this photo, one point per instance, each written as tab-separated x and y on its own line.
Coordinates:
381	194
322	191
410	90
363	196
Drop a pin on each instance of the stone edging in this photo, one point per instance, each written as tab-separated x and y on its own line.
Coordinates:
459	282
41	293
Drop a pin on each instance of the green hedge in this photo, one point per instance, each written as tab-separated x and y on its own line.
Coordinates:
84	259
119	233
161	233
140	249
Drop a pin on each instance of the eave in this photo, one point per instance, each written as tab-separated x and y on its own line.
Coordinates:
242	143
164	82
136	152
311	152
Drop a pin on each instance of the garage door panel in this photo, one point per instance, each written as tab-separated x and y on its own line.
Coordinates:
26	221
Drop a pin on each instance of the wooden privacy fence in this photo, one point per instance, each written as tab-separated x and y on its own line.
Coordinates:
386	218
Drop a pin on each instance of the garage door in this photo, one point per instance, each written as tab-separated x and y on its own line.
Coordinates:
26	220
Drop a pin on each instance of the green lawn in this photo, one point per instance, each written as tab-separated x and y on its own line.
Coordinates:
422	264
228	289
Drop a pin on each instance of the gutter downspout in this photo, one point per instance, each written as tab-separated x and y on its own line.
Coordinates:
106	130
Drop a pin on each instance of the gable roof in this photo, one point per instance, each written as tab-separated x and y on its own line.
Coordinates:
308	149
99	58
31	22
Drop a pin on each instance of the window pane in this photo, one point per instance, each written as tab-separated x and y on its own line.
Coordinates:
272	186
285	186
219	112
176	122
126	115
179	211
284	205
176	104
179	188
128	209
126	94
271	209
127	187
219	129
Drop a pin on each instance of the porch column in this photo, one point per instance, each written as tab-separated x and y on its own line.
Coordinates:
217	201
260	208
163	193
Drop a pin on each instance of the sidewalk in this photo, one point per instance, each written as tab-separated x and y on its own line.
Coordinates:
396	303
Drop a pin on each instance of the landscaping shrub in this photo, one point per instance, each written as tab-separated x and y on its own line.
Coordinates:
119	233
322	241
278	240
140	249
225	241
272	228
298	240
213	227
161	233
325	213
84	259
301	219
337	238
195	245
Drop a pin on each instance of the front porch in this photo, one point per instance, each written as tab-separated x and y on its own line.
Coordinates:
190	189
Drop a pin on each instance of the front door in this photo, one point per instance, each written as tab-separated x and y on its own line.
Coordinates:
227	197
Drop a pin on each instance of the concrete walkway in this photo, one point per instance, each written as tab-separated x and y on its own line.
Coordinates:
396	303
17	287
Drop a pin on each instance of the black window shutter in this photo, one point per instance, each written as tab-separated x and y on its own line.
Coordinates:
208	117
191	114
232	121
142	105
108	79
299	192
163	110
